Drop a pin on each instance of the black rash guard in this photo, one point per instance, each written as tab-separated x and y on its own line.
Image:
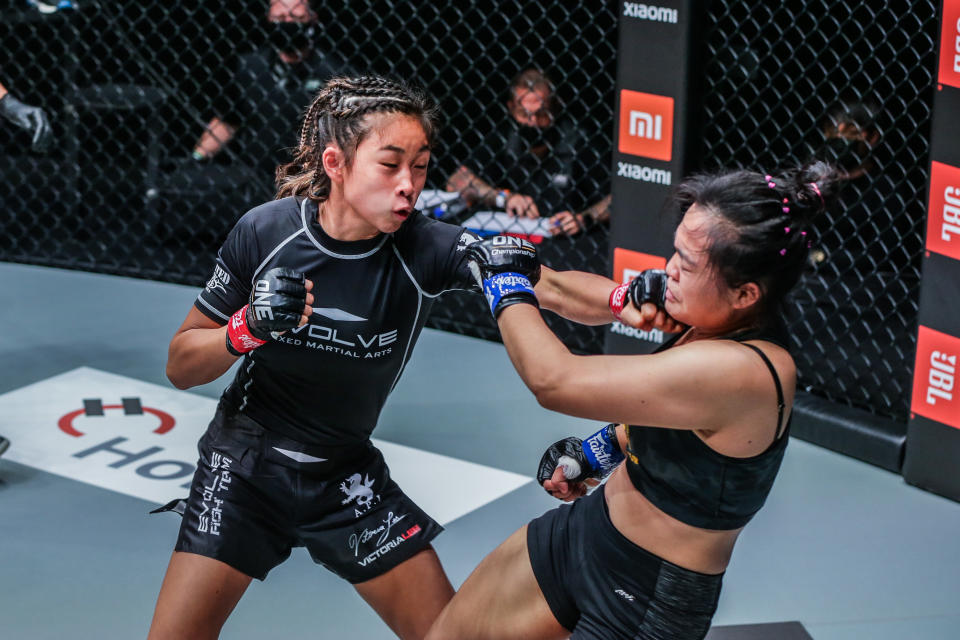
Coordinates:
325	383
686	479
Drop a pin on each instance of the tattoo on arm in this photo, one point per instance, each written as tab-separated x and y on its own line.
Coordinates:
471	188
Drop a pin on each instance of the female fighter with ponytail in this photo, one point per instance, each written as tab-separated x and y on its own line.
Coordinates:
697	433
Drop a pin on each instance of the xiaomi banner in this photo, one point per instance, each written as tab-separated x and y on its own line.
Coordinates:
650	134
933	435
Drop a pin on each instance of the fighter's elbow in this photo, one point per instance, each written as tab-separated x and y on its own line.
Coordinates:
177	376
547	390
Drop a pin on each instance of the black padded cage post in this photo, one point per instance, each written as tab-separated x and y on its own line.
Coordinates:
933	437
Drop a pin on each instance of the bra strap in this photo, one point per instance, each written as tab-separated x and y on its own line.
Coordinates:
776	381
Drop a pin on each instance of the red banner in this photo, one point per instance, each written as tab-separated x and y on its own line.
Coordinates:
935	393
646	125
950	44
627	264
943	210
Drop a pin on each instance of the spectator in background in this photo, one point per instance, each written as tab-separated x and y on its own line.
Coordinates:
538	163
31	119
270	88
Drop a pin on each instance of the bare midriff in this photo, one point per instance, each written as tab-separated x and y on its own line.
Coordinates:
702	550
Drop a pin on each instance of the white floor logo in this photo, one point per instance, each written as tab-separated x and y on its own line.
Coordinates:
140	439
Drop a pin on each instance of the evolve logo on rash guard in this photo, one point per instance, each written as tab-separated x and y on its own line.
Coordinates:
346	343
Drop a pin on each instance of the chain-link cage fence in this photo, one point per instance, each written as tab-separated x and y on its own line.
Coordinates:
169	118
850	82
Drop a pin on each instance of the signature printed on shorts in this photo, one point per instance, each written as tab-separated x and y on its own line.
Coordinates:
383	531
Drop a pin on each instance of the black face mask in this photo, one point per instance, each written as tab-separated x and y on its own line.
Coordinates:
290	37
845	153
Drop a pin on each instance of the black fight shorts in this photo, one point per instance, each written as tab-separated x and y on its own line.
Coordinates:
601	586
256	495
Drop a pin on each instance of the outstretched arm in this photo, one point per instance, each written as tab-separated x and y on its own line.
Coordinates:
584	297
702	385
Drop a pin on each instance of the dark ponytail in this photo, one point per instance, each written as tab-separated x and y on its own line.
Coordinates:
337	115
764	223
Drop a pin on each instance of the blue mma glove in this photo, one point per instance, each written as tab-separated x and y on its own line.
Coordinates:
506	269
596	457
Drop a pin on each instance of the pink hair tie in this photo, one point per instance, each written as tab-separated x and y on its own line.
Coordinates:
814	186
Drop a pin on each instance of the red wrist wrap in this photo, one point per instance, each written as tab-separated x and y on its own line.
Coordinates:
618	297
238	334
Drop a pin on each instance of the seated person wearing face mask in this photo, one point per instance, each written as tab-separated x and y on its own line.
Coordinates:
270	88
538	162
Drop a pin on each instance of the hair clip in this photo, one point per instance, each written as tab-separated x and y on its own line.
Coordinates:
816	189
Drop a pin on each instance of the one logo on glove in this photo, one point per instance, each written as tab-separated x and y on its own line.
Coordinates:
261	300
510	245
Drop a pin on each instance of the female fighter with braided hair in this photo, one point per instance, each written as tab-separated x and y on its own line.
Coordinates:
323	293
697	436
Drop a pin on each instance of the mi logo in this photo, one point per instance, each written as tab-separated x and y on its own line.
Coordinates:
646	125
627	264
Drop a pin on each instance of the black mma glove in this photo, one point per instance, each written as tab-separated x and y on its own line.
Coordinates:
276	304
506	269
30	119
649	286
594	457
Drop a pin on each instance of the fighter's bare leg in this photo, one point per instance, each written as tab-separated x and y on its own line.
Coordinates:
500	599
197	596
410	596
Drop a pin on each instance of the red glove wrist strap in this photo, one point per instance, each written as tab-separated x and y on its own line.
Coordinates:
618	298
238	334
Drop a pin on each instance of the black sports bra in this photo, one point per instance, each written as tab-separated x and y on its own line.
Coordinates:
686	479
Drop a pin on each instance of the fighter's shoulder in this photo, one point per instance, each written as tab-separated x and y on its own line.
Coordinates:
421	231
282	214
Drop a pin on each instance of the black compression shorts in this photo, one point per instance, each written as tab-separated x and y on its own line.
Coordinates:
255	496
602	586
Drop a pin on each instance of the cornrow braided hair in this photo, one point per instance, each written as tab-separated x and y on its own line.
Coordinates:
763	223
338	116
